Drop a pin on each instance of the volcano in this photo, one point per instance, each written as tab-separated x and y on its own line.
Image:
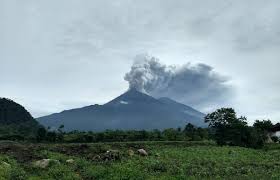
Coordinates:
132	110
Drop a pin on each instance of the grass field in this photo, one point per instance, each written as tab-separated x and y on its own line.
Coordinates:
166	160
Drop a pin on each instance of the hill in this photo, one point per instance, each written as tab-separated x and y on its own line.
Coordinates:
15	120
131	110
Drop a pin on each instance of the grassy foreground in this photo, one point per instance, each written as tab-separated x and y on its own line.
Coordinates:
166	160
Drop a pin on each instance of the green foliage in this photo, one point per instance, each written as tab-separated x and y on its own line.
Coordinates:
171	134
51	136
13	113
195	134
10	169
275	139
264	125
224	117
231	130
264	128
41	134
124	136
180	160
16	123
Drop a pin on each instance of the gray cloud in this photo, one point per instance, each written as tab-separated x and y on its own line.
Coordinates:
52	52
196	85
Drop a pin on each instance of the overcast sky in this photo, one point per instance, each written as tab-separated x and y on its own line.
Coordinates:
57	55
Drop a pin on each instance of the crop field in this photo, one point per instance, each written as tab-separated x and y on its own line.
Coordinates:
165	160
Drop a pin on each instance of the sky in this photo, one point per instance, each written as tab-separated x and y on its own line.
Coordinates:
57	55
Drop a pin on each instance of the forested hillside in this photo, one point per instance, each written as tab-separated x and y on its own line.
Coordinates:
15	121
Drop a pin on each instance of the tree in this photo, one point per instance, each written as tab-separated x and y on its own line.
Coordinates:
60	134
170	134
224	122
41	134
179	129
60	128
190	131
263	128
51	136
224	117
264	125
189	128
231	130
202	133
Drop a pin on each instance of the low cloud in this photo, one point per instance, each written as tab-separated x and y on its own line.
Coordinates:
196	85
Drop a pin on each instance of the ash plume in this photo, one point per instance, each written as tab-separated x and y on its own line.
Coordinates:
197	85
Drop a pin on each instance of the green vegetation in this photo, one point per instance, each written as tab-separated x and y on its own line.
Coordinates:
16	123
193	134
227	149
228	129
224	127
166	160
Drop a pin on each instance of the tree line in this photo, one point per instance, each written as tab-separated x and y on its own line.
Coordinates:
228	129
224	127
189	133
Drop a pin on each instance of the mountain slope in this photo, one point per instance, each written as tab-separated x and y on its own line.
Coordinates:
131	110
16	120
179	106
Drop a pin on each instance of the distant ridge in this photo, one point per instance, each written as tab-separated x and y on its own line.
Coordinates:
132	110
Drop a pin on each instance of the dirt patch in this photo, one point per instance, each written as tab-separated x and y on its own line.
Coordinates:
72	150
96	153
21	153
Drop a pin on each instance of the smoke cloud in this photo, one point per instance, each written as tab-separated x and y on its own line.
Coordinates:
197	85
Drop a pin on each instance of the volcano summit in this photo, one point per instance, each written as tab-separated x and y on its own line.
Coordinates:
132	110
